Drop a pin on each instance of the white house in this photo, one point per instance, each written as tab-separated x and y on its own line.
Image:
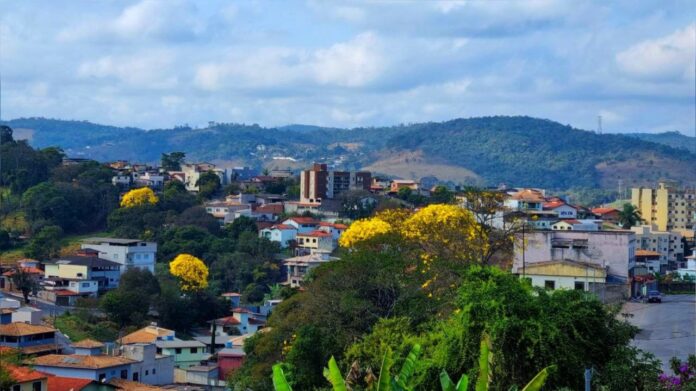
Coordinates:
563	210
128	252
576	225
280	233
302	224
336	230
315	242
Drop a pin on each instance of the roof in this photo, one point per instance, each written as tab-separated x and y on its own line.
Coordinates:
528	195
569	221
231	294
79	361
333	225
270	208
601	211
22	374
307	259
646	253
318	234
18	329
88	344
36	349
147	334
556	204
30	270
81	260
179	343
282	227
65	292
565	262
97	240
227	321
59	383
303	220
127	385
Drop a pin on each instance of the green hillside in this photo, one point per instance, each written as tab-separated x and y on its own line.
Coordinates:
519	151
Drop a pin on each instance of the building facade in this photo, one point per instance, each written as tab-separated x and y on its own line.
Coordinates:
127	252
667	207
320	183
668	244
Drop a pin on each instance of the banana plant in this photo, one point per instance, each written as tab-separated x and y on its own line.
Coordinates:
448	385
280	383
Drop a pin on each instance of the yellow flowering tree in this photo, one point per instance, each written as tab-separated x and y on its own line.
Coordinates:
138	197
191	272
362	231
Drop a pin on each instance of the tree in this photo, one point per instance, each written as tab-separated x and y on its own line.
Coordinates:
5	241
191	272
5	134
239	225
139	197
25	282
46	243
208	184
441	195
172	161
125	307
629	216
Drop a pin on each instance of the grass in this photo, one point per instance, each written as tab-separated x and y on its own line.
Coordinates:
79	327
69	244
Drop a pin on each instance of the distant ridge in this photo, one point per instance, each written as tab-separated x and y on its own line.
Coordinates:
518	151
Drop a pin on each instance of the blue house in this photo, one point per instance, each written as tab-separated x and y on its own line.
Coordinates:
28	338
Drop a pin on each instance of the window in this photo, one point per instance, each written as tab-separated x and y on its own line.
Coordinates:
579	285
36	386
124	374
17	388
177	350
194	350
154	371
550	284
135	376
85	284
147	372
102	377
159	350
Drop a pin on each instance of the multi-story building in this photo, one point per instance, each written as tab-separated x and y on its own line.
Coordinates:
320	183
29	339
191	173
668	207
298	267
668	244
127	252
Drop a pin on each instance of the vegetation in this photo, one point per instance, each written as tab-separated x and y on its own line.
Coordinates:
139	197
191	272
629	216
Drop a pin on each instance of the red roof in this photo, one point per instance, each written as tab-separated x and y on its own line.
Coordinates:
24	374
283	227
303	220
602	211
571	221
30	270
241	310
65	292
337	226
318	234
226	321
270	208
555	204
58	383
231	294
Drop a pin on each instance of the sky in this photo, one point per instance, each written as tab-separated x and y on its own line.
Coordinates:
162	63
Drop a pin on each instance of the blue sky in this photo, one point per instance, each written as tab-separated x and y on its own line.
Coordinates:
161	63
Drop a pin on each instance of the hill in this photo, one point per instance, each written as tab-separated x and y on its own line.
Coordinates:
518	151
672	139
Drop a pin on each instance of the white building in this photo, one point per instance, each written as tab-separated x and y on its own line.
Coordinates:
577	225
563	210
128	252
298	267
192	173
281	233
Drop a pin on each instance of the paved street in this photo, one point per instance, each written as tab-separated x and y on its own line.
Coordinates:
48	308
668	329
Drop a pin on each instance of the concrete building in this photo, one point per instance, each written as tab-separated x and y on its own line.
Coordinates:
318	241
25	378
148	366
320	183
185	353
128	252
612	250
298	267
281	233
577	225
28	338
192	173
668	207
668	244
566	274
85	266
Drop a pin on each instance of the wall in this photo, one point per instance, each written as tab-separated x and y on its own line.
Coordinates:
81	373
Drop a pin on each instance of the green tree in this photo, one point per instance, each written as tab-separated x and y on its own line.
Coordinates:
629	216
441	195
208	185
172	161
239	225
5	242
46	243
5	134
126	307
25	282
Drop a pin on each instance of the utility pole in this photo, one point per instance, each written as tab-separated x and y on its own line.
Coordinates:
599	124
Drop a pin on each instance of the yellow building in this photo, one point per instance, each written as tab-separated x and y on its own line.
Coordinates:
667	207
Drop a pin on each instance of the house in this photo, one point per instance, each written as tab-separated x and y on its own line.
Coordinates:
29	315
268	212
83	267
233	297
566	274
193	171
28	338
28	266
99	368
647	262
88	347
336	230
148	366
242	321
148	334
59	383
563	210
200	375
398	184
25	378
298	267
576	225
606	214
613	251
231	357
282	233
315	242
525	200
302	224
225	211
185	353
689	267
127	252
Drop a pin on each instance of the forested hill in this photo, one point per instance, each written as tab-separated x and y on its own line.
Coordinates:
672	139
488	150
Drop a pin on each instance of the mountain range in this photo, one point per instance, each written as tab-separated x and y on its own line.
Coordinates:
518	151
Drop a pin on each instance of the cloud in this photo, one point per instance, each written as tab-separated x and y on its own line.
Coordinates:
143	70
351	64
669	58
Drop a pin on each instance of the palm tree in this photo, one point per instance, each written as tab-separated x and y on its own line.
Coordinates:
629	216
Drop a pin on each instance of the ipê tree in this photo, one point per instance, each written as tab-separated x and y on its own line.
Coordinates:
139	197
191	272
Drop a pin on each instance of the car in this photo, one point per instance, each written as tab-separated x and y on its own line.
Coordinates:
654	297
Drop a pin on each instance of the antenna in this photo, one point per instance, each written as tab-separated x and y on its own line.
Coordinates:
599	124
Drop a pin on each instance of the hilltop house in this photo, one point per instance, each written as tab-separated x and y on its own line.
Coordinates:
563	210
184	353
317	241
127	252
281	233
85	266
298	267
303	225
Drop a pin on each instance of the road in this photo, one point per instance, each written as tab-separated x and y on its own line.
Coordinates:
48	308
668	329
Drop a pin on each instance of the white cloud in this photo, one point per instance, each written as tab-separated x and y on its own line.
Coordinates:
667	58
142	70
350	64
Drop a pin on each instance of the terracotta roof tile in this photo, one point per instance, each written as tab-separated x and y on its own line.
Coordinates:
78	361
318	234
19	329
88	344
58	383
127	385
24	374
303	220
147	334
227	321
601	211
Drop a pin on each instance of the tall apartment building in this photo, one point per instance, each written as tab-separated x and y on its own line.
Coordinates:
668	244
667	207
127	252
319	183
